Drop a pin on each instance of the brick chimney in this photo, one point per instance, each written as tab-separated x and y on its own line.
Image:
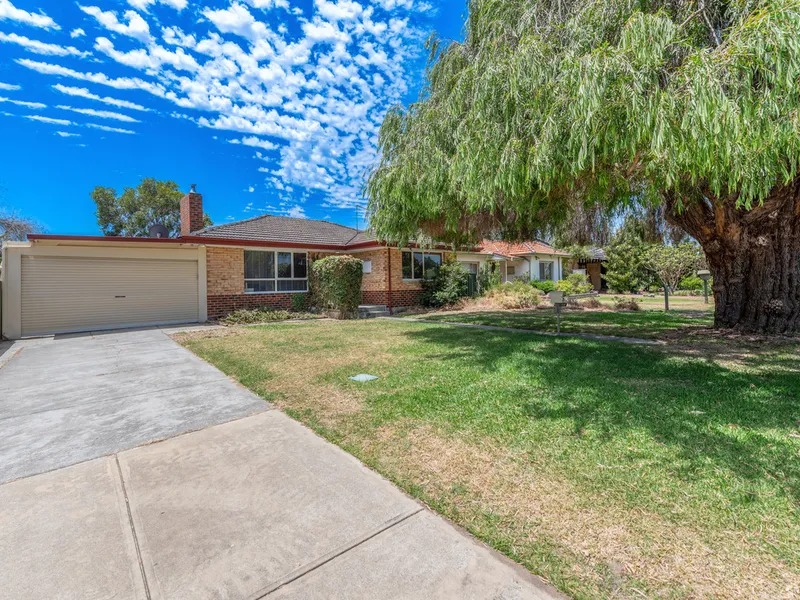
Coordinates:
191	212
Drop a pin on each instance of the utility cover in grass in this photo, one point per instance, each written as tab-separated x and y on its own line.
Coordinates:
363	377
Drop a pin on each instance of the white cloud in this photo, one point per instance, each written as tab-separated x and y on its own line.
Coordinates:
151	59
111	129
33	105
38	47
102	114
49	120
12	13
76	33
121	83
255	143
136	27
251	189
65	134
9	87
297	212
84	93
143	4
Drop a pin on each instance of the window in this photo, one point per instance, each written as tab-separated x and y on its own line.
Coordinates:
269	271
367	266
415	264
546	270
511	270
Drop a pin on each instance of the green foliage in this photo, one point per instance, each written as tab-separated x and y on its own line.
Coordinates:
263	315
299	302
544	285
672	263
625	271
445	285
691	283
489	276
549	105
514	294
337	283
575	283
132	213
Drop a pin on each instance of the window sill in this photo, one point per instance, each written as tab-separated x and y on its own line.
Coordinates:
268	293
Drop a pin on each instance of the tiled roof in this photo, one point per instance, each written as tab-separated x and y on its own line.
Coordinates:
518	249
271	228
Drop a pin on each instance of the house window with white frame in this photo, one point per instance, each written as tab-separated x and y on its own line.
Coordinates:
546	270
268	271
417	264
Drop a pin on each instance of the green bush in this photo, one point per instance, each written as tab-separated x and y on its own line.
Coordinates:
488	276
299	302
516	294
576	283
446	285
263	315
692	283
337	283
544	285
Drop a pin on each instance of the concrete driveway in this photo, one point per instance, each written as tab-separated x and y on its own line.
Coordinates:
255	507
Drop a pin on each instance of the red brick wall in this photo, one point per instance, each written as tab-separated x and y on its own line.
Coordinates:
375	297
404	298
221	305
191	213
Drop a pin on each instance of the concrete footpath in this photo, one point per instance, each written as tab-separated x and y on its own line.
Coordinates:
255	507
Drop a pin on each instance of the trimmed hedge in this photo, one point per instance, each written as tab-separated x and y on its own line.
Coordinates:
337	283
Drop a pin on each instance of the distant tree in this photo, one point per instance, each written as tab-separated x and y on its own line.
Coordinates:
14	227
671	264
624	269
132	213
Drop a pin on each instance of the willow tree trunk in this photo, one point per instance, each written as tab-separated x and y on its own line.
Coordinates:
754	257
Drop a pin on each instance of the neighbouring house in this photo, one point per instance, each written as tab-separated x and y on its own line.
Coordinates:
62	283
593	265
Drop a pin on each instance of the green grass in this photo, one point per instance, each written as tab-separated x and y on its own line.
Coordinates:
615	471
647	324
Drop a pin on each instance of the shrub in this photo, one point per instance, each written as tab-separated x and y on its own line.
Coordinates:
337	283
517	294
692	283
448	284
627	304
299	302
263	315
576	283
488	276
545	285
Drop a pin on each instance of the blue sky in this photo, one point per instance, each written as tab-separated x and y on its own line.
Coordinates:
270	106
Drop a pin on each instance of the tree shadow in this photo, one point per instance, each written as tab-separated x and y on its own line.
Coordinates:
704	410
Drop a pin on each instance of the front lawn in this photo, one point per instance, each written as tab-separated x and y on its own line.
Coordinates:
648	324
615	471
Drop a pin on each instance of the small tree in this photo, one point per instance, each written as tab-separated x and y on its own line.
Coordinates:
337	283
624	269
488	276
132	213
671	264
447	284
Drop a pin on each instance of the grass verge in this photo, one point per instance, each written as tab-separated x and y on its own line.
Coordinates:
611	470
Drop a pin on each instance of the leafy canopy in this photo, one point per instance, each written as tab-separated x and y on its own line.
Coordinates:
552	104
132	213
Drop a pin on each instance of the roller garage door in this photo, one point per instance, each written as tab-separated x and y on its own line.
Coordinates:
66	293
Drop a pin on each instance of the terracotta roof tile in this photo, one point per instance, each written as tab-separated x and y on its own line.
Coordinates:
519	248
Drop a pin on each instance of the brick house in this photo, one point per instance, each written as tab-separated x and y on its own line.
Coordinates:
208	272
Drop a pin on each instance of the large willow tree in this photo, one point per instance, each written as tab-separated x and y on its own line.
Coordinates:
550	104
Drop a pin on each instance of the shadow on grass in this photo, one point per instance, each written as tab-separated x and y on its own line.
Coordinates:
731	418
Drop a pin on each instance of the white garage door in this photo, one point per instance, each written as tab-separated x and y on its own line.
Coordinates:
62	294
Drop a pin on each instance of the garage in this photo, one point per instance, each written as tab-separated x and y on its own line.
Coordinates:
62	288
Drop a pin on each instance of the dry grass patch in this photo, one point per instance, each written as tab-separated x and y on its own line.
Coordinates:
614	471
